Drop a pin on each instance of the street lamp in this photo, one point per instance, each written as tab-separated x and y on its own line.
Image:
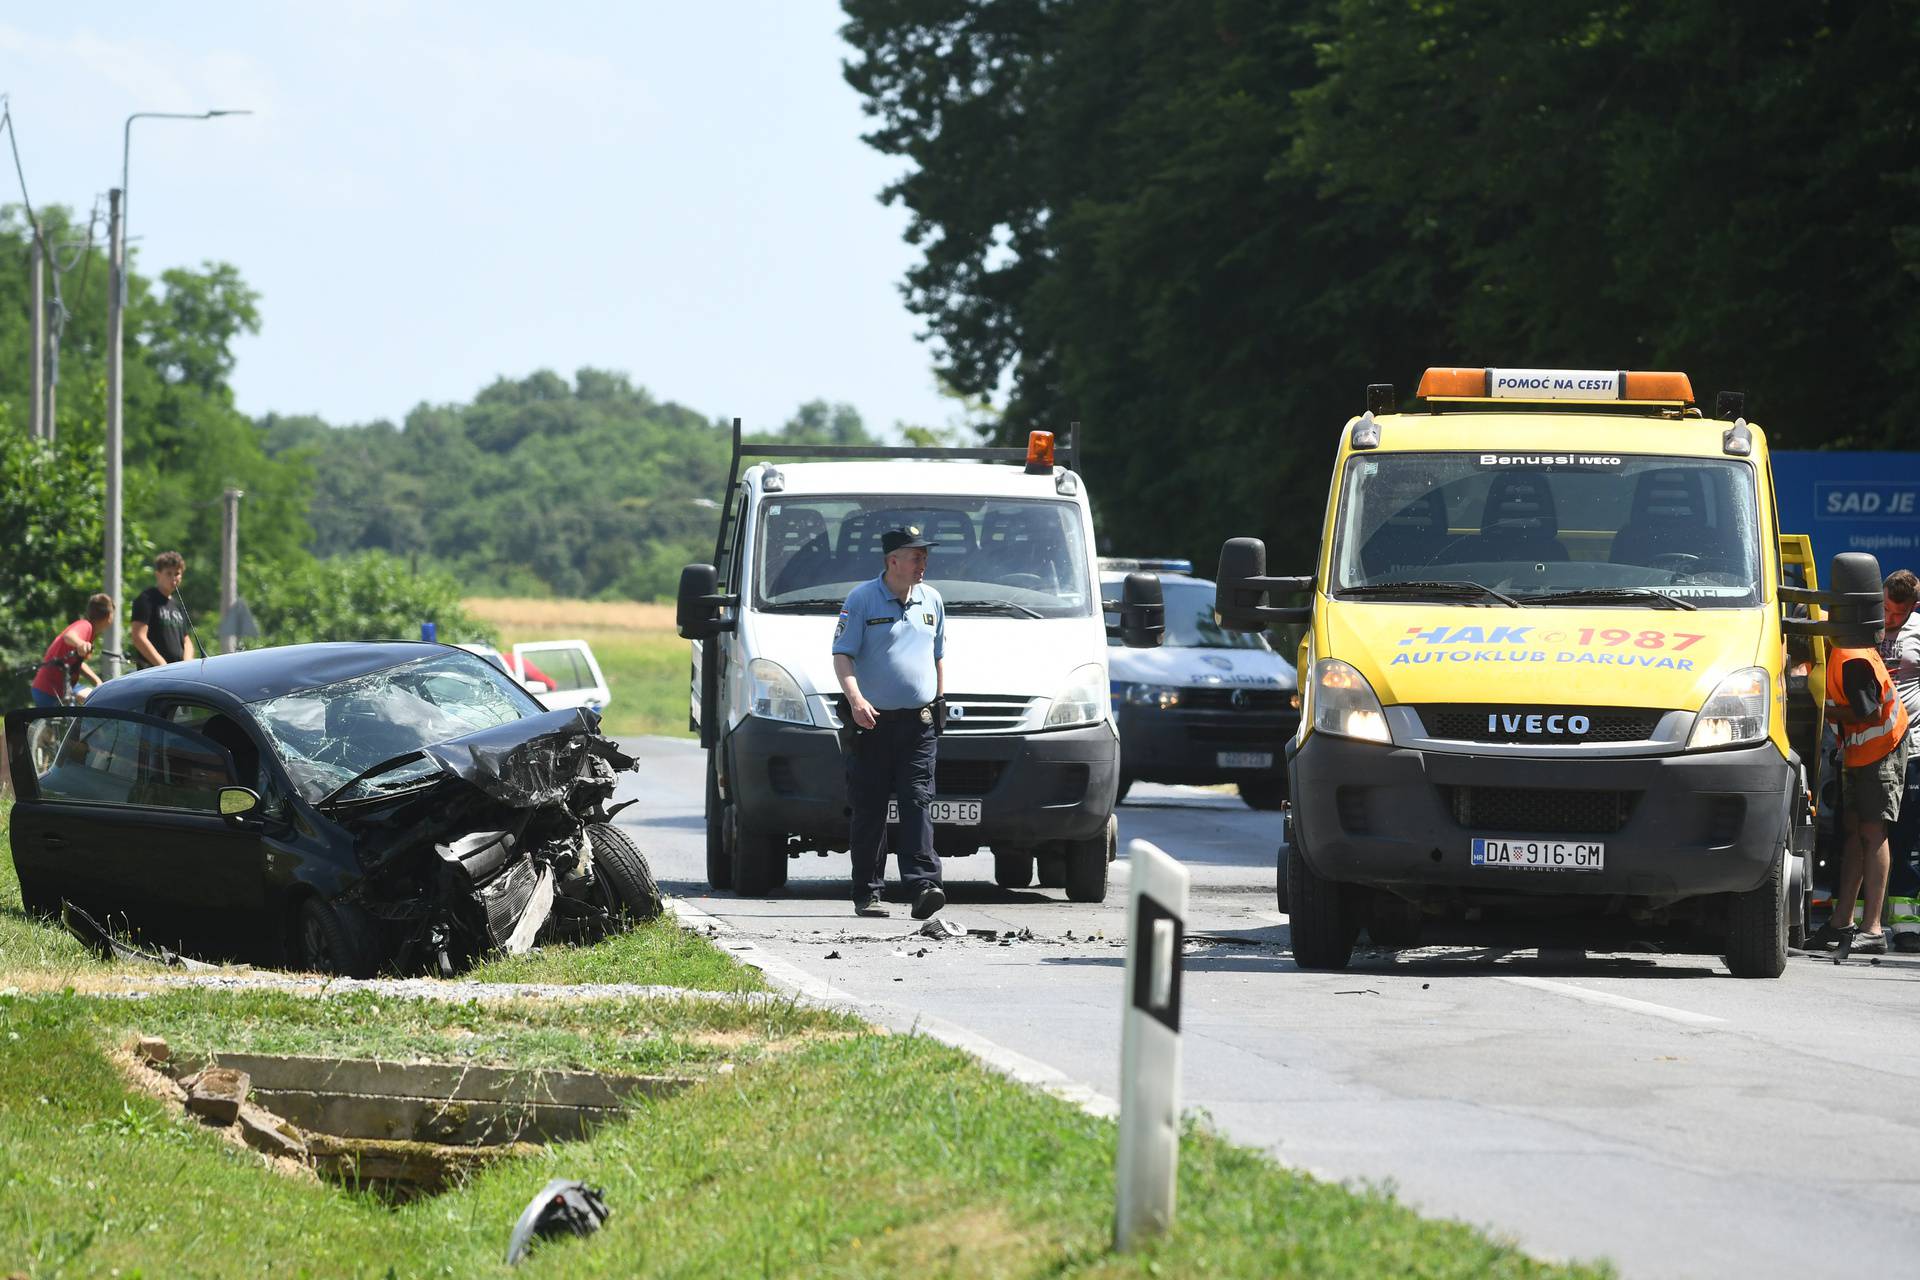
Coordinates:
116	340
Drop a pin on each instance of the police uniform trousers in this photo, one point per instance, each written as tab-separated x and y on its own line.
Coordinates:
894	759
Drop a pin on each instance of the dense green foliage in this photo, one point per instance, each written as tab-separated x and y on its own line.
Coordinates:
538	487
1203	228
366	596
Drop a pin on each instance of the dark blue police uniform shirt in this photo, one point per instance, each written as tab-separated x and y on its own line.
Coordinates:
893	645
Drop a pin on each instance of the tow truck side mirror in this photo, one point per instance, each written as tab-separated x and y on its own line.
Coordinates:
1855	602
1143	612
1241	587
697	611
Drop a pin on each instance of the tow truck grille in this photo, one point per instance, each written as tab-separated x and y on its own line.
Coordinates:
1541	811
1474	722
985	712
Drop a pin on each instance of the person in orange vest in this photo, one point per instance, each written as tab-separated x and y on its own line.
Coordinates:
1865	711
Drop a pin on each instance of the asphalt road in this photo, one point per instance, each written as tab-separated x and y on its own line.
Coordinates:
1648	1109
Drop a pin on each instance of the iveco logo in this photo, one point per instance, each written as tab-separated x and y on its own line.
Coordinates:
1240	699
1499	723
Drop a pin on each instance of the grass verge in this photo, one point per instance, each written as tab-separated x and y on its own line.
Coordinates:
848	1155
645	662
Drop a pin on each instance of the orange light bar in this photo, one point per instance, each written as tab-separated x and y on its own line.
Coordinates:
1453	382
1659	386
1040	450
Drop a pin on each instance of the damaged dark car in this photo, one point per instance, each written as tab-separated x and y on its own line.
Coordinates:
345	808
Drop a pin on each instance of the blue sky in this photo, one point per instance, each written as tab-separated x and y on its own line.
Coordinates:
430	195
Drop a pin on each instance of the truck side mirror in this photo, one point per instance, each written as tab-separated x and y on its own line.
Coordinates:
1854	599
1241	587
697	612
1143	612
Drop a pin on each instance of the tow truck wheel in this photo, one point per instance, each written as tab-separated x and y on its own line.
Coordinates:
1087	862
719	858
620	864
1323	925
1266	794
1757	922
337	939
1013	869
759	858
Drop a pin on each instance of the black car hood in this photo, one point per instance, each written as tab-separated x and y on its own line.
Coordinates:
530	763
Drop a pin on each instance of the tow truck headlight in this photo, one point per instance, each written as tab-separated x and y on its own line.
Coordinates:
1735	713
1082	700
1160	697
774	694
1344	703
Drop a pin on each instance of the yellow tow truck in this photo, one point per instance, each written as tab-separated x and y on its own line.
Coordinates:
1552	681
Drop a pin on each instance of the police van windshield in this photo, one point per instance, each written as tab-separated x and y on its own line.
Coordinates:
1597	529
1006	556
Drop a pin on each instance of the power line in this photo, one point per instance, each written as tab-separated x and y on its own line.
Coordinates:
13	142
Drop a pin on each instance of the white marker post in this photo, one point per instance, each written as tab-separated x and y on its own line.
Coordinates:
1150	1046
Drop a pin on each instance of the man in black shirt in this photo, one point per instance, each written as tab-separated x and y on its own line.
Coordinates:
160	631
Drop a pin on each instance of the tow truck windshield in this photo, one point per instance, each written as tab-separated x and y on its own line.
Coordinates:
1014	557
1551	530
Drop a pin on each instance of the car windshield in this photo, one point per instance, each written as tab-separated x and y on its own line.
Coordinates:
327	736
1191	623
1550	529
1016	557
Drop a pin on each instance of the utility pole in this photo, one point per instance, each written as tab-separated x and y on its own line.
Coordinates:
39	305
229	570
116	328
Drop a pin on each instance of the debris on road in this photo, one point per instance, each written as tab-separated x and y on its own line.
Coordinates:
832	955
941	928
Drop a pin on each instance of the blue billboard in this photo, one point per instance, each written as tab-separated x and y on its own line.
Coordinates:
1852	502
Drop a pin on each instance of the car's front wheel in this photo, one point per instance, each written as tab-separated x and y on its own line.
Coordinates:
619	863
1087	862
336	937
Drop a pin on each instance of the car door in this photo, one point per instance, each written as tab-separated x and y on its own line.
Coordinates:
569	666
118	811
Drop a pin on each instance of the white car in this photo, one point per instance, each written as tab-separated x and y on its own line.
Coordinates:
561	673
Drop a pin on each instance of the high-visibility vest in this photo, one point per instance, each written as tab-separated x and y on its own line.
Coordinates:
1870	740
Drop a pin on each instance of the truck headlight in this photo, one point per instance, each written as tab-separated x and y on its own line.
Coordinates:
1160	697
1344	703
1736	712
773	694
1082	700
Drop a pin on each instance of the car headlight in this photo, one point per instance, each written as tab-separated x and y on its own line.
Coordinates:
1736	712
1161	697
1344	703
1082	700
773	694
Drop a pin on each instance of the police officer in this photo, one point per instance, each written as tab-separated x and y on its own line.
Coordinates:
887	653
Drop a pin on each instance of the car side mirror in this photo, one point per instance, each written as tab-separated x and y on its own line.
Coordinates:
237	803
1143	612
697	612
1855	601
1241	587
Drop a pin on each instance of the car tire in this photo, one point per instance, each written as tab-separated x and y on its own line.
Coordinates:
1758	924
618	862
1087	862
719	857
1281	857
1014	869
1393	922
1266	795
1321	920
1120	792
336	938
759	859
1050	869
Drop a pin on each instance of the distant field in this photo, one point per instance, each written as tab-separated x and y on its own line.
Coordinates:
645	662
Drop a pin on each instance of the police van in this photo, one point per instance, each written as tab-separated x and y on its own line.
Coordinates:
1029	762
1551	673
1209	705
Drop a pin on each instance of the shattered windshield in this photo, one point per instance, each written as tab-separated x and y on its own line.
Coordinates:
328	736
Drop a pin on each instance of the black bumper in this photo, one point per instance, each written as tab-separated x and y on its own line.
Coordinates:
1182	745
1057	785
1674	826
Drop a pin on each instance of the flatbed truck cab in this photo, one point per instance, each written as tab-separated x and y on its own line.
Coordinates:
1551	679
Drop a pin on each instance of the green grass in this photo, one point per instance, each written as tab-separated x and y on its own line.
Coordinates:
864	1155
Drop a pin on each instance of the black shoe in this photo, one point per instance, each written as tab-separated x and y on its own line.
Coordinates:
1826	937
928	901
871	907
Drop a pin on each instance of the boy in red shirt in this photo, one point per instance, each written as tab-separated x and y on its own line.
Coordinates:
67	656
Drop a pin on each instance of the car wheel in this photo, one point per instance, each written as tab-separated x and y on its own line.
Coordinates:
1265	794
336	938
1757	924
719	857
1280	859
1014	869
1120	792
1087	862
620	865
1321	921
759	858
